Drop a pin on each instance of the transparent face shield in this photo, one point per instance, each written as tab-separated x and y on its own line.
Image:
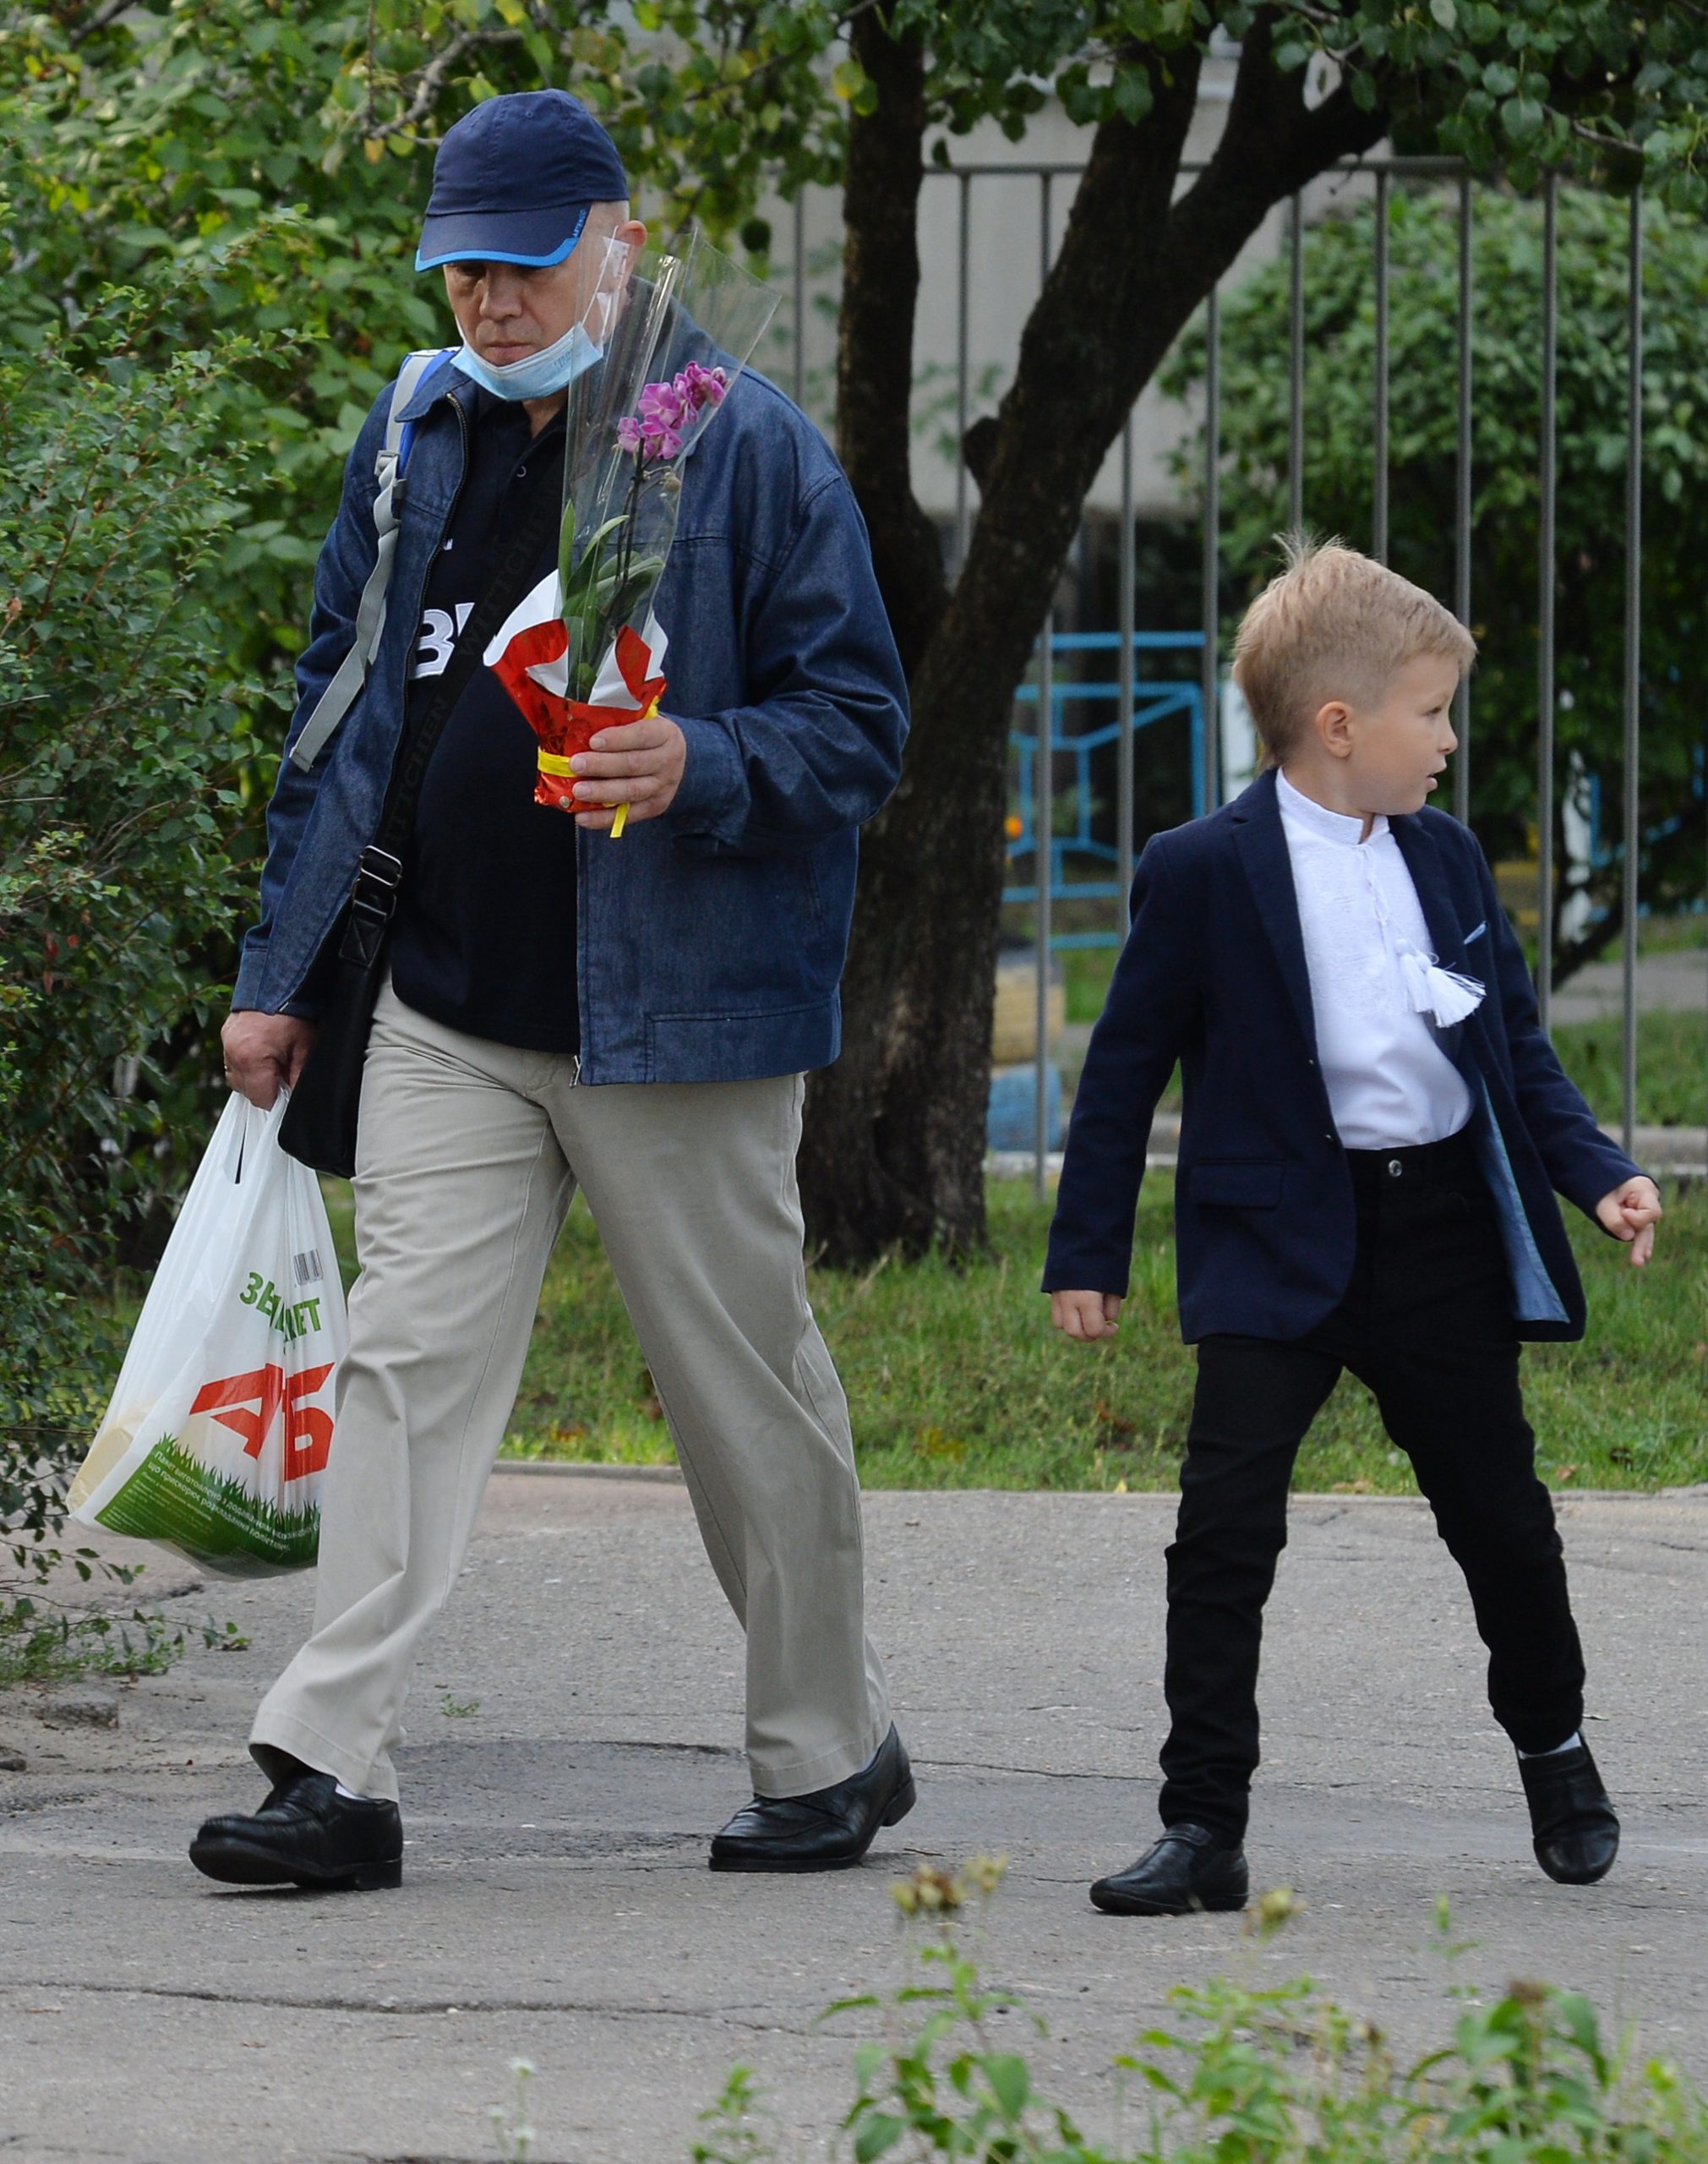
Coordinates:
604	305
647	309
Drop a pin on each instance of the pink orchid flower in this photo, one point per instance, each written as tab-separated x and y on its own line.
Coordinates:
667	410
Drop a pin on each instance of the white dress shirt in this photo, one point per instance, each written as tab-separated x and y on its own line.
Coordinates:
1390	1084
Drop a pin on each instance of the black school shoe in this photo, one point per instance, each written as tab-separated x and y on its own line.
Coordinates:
1575	1827
828	1830
305	1834
1189	1869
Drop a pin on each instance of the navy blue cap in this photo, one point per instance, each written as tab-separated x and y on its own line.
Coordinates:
514	181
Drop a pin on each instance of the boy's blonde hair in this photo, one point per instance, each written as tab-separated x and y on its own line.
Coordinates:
1333	625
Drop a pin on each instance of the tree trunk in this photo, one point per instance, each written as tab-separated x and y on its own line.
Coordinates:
875	335
894	1144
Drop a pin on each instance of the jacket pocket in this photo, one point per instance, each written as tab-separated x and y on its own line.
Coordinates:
1240	1185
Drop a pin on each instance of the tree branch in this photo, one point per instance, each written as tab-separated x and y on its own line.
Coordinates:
431	80
103	18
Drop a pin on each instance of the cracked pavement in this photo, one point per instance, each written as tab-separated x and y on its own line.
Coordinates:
574	1733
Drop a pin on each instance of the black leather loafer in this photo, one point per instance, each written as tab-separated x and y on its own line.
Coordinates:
1575	1827
829	1829
1190	1868
304	1834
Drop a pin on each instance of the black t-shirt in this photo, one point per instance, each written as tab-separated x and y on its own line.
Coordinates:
484	938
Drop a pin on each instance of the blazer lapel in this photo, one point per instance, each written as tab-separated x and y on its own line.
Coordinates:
1262	843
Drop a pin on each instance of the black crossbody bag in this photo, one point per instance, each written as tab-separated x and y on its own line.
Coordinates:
319	1127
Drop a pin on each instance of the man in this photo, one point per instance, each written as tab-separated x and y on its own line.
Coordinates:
631	1018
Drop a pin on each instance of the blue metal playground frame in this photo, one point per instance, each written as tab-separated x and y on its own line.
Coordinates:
1151	703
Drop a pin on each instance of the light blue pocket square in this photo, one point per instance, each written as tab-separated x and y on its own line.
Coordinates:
1477	934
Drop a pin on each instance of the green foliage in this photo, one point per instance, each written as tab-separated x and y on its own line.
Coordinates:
1266	2077
1612	92
152	140
53	1647
740	2124
1341	334
1244	2075
117	748
1672	1066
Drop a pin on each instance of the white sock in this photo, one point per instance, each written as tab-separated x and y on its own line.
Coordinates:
350	1795
1571	1743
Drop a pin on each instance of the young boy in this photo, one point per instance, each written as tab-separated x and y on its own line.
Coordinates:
1373	1124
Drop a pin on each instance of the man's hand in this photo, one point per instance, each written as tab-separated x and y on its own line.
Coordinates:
1631	1213
640	764
262	1051
1087	1316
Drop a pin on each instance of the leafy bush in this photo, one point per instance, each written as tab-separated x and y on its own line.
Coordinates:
153	138
120	745
1243	2076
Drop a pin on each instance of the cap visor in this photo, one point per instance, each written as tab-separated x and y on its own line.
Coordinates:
534	239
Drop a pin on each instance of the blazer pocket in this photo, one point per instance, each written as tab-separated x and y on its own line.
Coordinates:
1237	1186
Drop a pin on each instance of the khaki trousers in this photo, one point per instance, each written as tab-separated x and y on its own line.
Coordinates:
469	1156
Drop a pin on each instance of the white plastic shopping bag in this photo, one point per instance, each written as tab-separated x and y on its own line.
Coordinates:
216	1438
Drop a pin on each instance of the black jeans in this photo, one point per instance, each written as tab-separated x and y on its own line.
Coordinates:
1427	1323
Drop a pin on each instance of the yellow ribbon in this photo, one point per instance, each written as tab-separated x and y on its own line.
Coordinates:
554	762
622	818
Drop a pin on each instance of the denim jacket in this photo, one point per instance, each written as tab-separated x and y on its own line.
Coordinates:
711	941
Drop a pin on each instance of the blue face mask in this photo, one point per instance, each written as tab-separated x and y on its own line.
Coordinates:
541	376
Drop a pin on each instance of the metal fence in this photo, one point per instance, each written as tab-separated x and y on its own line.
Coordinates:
1041	747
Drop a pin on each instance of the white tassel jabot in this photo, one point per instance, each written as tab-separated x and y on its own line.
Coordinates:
1443	994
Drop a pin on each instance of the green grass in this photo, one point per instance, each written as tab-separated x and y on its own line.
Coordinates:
1085	975
1672	935
956	1381
1672	1066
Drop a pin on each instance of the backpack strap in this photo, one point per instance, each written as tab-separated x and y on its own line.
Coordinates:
388	464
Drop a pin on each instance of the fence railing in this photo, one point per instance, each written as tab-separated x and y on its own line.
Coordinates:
1041	748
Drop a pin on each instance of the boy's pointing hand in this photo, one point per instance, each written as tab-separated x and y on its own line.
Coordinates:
1087	1316
1630	1212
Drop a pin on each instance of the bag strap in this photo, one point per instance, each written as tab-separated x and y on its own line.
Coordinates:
379	874
389	461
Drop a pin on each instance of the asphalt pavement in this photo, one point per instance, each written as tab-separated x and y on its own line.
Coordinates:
575	1737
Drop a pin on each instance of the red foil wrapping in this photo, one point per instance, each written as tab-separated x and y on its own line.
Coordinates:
567	726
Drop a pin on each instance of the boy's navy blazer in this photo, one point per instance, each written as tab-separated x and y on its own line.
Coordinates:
1213	975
